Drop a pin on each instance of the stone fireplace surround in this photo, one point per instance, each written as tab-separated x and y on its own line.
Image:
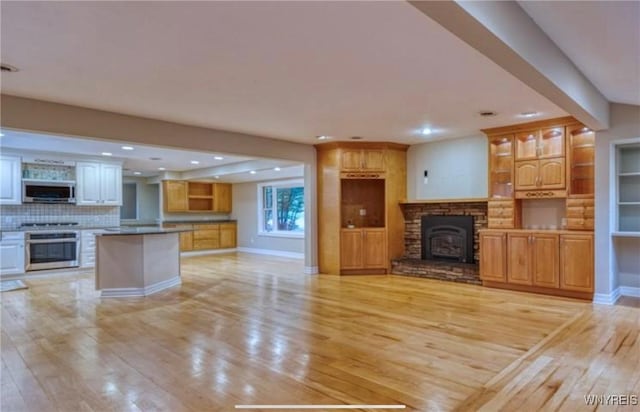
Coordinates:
411	263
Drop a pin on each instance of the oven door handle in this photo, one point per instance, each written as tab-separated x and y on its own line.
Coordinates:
45	241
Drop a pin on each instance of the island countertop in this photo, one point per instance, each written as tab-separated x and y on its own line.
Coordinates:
143	230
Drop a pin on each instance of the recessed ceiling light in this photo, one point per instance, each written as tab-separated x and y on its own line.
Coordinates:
8	68
277	169
426	131
253	172
1	134
127	148
106	154
216	177
323	137
218	157
162	168
195	162
488	113
529	114
137	173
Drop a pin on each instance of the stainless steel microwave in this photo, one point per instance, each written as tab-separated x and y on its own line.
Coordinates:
46	191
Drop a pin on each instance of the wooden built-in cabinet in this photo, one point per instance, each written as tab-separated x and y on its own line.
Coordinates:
554	262
206	236
364	248
493	266
193	196
355	159
576	262
580	213
540	160
503	214
501	166
360	186
580	160
174	195
540	174
228	236
533	259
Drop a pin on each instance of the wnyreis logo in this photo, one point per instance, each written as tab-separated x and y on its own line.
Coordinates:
611	400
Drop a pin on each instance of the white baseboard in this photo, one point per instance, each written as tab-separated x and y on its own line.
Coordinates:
630	291
310	270
206	252
607	298
140	292
272	252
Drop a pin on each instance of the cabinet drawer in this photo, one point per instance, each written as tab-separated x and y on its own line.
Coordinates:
579	202
200	244
580	223
506	212
501	223
207	226
206	234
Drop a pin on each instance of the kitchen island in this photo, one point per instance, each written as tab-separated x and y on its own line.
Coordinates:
137	261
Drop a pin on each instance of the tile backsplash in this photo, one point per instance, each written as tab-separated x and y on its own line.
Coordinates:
13	216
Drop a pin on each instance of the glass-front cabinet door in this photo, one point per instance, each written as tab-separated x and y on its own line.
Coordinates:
581	147
540	144
527	145
551	143
501	166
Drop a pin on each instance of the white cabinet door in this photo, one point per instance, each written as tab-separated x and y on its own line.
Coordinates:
111	189
12	257
98	184
10	180
87	183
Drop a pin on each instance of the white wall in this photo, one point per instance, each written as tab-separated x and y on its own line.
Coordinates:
245	211
625	124
457	169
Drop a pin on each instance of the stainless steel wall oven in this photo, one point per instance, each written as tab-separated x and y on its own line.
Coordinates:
52	249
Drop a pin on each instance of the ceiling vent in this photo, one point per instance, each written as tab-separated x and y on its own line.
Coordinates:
356	137
488	113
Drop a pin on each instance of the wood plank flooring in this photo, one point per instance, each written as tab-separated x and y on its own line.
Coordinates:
252	329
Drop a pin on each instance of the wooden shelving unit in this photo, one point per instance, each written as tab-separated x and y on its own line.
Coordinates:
196	197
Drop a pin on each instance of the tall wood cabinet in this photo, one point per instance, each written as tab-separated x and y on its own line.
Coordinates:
540	160
361	225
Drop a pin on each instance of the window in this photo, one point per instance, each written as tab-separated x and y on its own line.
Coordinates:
281	208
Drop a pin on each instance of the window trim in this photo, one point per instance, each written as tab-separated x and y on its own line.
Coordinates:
260	209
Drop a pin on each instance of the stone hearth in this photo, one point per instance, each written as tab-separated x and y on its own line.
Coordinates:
411	264
451	271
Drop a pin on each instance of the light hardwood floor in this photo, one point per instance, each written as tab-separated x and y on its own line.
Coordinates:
252	329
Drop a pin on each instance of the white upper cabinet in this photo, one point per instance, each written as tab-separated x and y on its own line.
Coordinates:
111	185
10	180
98	184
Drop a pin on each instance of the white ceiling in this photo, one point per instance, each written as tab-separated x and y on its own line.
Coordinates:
231	169
602	38
288	70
